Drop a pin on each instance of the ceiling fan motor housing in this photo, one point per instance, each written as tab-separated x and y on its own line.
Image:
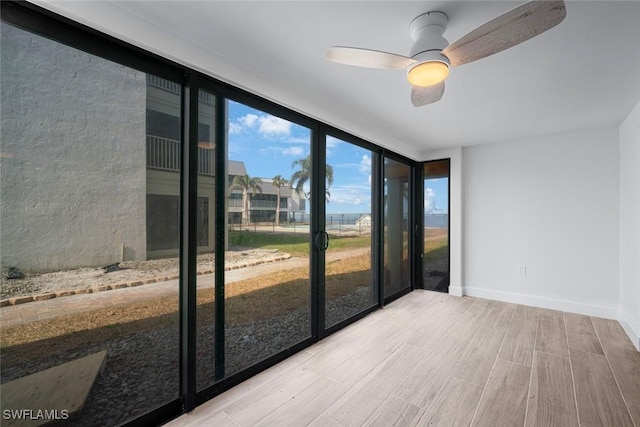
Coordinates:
426	31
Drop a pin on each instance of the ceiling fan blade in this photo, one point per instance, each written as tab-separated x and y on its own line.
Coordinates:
423	95
367	58
507	30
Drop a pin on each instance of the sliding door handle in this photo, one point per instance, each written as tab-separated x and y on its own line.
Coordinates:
316	241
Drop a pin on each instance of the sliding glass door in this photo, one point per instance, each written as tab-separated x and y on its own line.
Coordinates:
397	226
435	257
349	276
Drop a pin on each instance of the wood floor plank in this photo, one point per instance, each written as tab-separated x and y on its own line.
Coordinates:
635	414
551	399
471	320
217	419
306	406
362	400
428	376
477	360
324	421
504	401
395	412
581	334
526	312
625	363
454	405
519	342
551	336
501	315
610	330
597	394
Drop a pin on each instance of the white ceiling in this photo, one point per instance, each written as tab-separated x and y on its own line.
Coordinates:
583	73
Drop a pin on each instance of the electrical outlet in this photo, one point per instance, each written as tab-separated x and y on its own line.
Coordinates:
522	270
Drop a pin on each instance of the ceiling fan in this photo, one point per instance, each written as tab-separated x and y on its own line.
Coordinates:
431	55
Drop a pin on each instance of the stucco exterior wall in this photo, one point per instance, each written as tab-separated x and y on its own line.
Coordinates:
72	172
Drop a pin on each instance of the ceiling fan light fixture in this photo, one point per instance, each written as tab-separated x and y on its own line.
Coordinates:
427	73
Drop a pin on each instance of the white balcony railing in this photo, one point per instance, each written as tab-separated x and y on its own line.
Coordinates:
164	154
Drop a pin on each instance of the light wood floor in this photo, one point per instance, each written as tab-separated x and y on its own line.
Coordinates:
434	359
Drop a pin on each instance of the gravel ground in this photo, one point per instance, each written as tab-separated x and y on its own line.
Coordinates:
141	371
125	272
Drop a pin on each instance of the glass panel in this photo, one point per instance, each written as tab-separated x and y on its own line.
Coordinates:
349	285
205	309
89	177
396	227
435	260
267	287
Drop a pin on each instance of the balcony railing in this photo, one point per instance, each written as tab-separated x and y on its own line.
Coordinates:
173	87
164	154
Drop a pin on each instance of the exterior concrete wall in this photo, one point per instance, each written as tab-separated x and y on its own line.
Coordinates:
72	172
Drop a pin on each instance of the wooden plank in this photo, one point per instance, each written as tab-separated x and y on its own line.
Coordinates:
428	376
477	360
635	413
454	405
625	363
395	412
362	400
217	419
551	336
504	401
526	312
323	421
597	394
551	400
519	342
306	406
610	330
581	334
501	315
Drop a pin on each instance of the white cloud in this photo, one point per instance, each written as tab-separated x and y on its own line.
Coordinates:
293	151
265	124
365	164
271	125
235	128
429	200
248	120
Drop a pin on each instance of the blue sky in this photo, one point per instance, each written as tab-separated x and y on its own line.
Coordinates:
268	145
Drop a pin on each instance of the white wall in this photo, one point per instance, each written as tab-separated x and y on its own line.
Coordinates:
455	214
630	225
72	176
551	204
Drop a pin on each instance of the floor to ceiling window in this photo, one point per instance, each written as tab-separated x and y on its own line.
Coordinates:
165	235
397	227
90	172
350	286
267	307
435	258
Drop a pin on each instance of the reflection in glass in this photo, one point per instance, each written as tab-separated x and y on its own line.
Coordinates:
205	310
435	259
90	172
349	285
396	227
267	305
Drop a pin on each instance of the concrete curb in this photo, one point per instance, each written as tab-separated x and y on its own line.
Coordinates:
102	288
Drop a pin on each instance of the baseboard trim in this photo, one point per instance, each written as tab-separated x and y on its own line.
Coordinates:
456	291
633	334
542	302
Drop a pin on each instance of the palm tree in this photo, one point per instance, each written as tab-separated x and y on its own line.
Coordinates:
278	181
302	176
246	184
